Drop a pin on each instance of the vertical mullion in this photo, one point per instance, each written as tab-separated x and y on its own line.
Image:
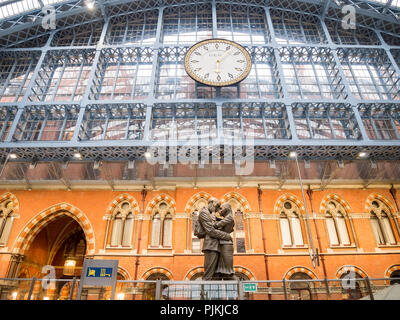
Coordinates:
276	54
108	116
4	126
66	117
302	29
126	29
136	73
44	122
78	77
284	28
6	83
21	86
155	64
214	19
128	123
263	120
330	123
59	79
249	26
242	133
306	113
316	78
373	81
143	28
377	133
196	22
120	58
293	63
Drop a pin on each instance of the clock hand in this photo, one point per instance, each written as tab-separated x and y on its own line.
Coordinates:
220	59
224	55
217	67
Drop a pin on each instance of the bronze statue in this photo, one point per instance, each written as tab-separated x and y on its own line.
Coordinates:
225	263
211	245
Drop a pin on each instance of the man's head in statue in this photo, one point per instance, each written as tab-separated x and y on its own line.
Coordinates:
225	209
213	204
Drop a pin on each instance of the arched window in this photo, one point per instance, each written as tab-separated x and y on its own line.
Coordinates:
6	220
336	224
291	225
122	225
161	226
239	233
381	223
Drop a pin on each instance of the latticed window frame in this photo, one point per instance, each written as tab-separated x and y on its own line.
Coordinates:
331	87
376	115
306	114
238	113
38	122
100	119
47	86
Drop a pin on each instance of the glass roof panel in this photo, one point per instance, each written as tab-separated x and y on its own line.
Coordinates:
9	8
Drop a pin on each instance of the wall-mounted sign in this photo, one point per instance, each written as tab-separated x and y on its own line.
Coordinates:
98	273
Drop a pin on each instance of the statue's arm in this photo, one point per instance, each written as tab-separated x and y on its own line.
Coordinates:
226	220
210	230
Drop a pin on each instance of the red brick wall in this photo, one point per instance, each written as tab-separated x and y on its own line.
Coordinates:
94	204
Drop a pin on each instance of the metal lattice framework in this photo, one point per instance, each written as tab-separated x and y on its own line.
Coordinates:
110	82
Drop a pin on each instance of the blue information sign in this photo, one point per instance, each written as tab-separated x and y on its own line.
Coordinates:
99	272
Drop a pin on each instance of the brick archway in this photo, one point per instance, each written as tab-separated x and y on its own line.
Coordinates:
390	270
162	197
13	199
336	198
372	197
192	272
292	198
344	269
154	270
305	270
119	199
194	198
36	224
245	271
242	200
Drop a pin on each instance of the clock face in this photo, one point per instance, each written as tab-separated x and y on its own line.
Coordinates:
217	62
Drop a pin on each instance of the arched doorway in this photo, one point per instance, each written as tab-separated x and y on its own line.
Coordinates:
59	242
354	289
301	290
395	274
150	288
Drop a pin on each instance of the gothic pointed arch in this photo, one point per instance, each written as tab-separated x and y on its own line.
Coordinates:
37	223
161	210
195	199
9	210
291	214
120	216
334	197
157	199
382	216
338	224
238	199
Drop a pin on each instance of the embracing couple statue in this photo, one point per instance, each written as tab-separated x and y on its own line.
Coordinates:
218	244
